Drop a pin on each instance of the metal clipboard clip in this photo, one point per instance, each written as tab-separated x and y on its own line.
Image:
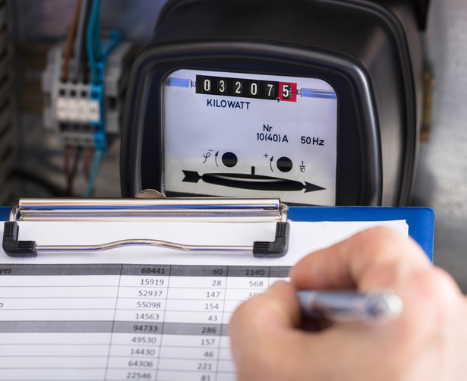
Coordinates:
152	206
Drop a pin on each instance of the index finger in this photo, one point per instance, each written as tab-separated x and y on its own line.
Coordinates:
374	258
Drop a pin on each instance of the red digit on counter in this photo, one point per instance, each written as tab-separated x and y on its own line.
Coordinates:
288	91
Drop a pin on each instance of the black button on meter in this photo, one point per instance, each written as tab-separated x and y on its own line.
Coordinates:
313	101
229	159
284	164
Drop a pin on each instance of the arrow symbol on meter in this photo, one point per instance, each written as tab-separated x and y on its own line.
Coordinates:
253	182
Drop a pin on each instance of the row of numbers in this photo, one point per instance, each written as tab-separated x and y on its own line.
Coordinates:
246	88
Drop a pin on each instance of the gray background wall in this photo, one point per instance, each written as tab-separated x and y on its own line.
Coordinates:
441	181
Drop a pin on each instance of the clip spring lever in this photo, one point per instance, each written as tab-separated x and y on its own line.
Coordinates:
154	209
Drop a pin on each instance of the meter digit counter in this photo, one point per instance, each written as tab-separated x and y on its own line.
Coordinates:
241	87
238	134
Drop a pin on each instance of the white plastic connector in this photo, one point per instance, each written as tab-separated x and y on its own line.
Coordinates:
77	110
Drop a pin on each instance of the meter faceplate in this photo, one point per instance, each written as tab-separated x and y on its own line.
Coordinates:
237	134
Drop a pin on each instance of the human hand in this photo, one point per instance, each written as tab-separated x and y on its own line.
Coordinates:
428	341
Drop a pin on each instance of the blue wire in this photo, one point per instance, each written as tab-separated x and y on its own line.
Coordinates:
92	176
97	34
94	54
93	19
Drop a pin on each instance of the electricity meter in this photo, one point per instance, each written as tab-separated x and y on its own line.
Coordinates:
315	101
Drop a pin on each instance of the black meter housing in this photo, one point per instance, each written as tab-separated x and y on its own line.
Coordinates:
368	52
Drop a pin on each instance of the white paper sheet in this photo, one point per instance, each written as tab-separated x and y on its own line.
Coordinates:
139	312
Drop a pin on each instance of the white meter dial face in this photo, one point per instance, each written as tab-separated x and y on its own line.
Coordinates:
250	135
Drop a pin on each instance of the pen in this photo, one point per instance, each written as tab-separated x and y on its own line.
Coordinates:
379	305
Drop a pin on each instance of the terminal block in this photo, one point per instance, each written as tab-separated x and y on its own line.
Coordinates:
70	109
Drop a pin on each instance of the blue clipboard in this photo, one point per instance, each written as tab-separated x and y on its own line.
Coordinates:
421	221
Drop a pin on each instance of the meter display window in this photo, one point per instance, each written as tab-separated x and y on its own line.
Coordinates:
248	135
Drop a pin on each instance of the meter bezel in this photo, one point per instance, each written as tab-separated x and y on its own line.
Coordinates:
359	167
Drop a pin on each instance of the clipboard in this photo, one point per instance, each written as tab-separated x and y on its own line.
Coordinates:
152	205
177	307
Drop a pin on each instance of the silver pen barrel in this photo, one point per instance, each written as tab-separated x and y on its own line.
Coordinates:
350	305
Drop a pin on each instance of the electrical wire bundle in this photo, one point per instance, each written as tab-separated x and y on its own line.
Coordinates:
83	45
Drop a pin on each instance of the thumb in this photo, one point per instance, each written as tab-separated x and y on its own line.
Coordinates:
263	334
